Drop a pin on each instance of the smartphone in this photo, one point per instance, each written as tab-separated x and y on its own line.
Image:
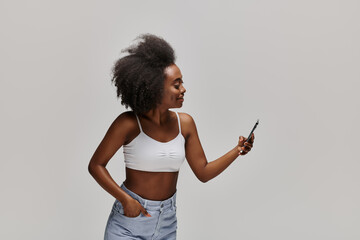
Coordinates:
247	140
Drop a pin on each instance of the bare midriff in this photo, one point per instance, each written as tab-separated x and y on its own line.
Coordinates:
155	186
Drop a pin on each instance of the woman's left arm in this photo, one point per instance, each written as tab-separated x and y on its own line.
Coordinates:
195	155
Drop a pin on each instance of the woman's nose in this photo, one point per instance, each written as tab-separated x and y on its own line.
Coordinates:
183	90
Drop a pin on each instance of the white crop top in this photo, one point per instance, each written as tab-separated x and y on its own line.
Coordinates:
147	154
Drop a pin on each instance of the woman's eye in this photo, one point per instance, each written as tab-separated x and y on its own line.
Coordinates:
177	86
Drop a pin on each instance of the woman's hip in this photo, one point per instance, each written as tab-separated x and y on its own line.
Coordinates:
163	220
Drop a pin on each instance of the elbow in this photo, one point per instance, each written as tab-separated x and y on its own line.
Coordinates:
91	168
203	176
203	179
94	167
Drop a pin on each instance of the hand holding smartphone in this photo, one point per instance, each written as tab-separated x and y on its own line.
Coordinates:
247	140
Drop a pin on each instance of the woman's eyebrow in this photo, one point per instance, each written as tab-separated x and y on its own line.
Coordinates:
179	79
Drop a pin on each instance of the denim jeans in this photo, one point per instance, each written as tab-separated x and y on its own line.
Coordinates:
162	224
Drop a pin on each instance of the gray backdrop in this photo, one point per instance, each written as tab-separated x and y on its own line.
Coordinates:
292	64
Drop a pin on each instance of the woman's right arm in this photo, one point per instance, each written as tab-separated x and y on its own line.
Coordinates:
112	141
114	138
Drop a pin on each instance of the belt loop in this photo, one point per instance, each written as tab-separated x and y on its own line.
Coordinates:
145	203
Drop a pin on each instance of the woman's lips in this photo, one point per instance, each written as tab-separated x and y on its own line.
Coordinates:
181	99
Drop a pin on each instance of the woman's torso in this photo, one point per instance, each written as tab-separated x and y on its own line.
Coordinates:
153	185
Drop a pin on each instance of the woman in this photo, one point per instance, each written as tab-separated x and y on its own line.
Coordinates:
155	143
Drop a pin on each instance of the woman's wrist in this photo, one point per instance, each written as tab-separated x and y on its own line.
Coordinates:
237	149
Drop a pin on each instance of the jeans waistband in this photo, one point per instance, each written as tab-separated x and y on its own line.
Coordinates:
152	204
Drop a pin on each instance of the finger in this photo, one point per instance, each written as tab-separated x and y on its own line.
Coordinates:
145	213
247	149
247	144
241	141
252	138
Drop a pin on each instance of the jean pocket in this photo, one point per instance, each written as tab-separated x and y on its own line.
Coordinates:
118	208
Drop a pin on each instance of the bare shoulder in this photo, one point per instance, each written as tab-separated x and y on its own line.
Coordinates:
185	118
126	125
125	118
126	121
188	125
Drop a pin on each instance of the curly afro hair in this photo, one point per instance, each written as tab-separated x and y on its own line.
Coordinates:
139	76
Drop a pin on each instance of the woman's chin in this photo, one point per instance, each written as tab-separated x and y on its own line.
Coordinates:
176	106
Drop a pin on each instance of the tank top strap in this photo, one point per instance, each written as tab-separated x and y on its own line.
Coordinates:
178	118
137	118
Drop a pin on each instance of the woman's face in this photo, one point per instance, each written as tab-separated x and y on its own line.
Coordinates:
174	90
